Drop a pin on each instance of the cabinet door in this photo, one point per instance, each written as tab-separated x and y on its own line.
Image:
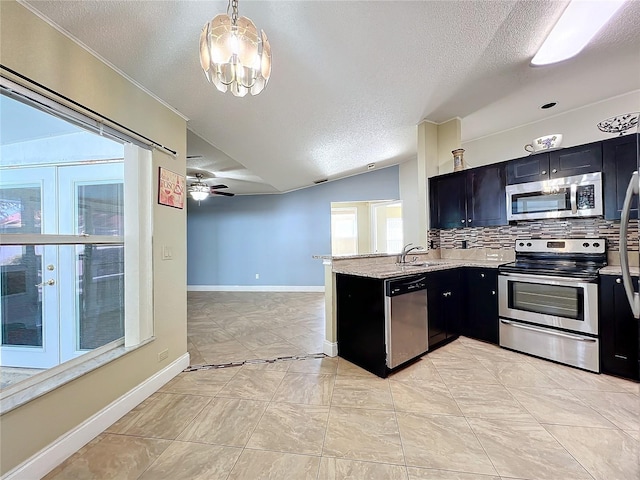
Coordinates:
533	168
486	196
618	330
481	319
575	160
447	196
444	303
619	161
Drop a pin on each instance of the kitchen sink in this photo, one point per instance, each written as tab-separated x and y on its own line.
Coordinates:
415	264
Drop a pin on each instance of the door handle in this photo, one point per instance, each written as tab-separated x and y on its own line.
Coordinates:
51	281
632	296
547	331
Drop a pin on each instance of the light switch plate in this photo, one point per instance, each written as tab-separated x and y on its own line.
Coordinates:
167	253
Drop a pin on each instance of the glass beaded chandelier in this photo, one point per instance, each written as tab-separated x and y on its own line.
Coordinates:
232	54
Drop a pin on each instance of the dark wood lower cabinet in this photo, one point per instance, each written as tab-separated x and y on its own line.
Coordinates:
360	322
618	330
481	299
445	306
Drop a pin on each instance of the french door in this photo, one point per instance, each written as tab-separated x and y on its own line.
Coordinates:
60	299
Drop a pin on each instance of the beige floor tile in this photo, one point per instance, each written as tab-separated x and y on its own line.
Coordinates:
467	376
326	365
210	335
193	461
224	352
454	362
340	469
225	421
345	367
200	382
309	342
421	371
622	409
359	434
520	374
496	353
526	450
278	366
162	415
441	442
575	379
628	385
453	349
113	456
362	392
292	428
431	474
606	454
276	350
556	406
253	384
489	401
264	465
259	339
195	357
305	388
432	397
290	331
633	434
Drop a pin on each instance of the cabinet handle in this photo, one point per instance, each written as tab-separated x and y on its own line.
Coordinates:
469	221
544	172
482	275
554	170
446	294
493	292
618	280
462	220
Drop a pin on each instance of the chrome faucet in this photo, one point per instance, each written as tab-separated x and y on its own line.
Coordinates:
405	250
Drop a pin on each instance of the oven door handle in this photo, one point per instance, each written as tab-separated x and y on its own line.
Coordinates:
548	331
632	296
574	198
542	278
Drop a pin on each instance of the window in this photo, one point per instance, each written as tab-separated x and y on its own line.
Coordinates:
64	211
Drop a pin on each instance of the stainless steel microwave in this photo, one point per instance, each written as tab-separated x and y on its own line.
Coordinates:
577	196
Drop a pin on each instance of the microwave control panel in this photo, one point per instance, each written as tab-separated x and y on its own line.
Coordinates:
586	197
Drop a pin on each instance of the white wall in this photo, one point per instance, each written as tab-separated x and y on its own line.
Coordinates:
577	127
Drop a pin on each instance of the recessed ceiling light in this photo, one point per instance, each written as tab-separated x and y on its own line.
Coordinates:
579	23
548	105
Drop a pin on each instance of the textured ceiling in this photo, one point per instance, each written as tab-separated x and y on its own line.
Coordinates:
351	80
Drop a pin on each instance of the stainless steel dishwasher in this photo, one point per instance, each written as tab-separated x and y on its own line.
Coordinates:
406	319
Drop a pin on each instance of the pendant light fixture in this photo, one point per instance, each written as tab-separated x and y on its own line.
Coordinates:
232	54
198	189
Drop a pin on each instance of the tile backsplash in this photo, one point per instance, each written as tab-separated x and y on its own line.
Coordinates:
505	236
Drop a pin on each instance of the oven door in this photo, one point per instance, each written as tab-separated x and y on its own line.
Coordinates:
561	302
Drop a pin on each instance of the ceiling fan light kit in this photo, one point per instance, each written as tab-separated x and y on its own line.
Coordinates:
579	23
233	55
198	189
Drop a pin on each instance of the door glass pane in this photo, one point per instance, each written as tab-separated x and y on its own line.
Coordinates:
20	210
100	295
547	299
101	209
20	275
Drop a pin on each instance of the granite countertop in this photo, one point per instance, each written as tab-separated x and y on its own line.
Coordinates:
617	270
391	270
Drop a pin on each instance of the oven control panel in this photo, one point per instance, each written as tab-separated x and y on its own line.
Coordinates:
561	245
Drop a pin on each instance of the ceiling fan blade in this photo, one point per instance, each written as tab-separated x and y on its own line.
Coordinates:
216	187
226	194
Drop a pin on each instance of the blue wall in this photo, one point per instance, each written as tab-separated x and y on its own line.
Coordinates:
230	239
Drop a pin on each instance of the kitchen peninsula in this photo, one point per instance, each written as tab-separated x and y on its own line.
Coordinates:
358	301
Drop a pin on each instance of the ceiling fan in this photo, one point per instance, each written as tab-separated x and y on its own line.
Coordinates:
199	189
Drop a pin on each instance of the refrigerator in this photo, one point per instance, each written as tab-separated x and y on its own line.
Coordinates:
633	190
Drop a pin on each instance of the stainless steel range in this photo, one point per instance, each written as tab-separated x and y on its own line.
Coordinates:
548	300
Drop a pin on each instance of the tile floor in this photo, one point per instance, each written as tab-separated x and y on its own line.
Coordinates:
467	411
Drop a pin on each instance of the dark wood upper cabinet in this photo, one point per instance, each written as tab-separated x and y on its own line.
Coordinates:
447	200
619	161
471	198
564	162
533	168
567	162
486	196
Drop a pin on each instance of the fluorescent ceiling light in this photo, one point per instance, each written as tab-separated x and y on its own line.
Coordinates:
577	26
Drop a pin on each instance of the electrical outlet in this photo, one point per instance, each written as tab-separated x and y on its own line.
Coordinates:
163	355
257	276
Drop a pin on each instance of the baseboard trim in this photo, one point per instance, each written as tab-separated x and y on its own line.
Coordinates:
330	349
66	445
255	288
